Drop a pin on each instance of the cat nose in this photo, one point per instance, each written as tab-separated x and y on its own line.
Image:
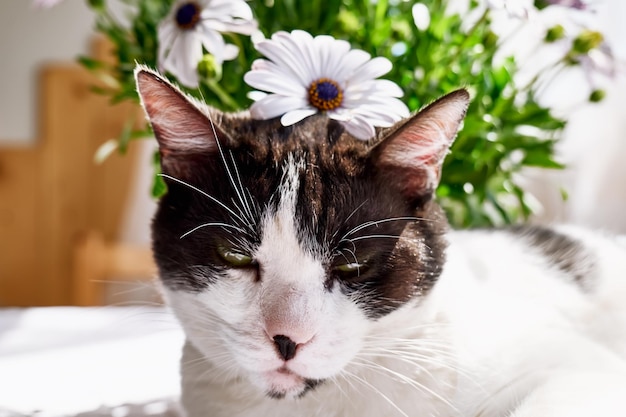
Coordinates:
285	346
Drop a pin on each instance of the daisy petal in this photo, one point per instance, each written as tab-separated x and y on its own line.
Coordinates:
294	44
267	81
377	118
168	37
213	43
176	60
274	105
372	69
377	87
282	74
349	63
235	8
360	128
277	52
243	28
388	105
230	52
216	46
191	55
256	95
330	51
295	116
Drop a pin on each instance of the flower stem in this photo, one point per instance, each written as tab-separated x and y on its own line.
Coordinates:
224	97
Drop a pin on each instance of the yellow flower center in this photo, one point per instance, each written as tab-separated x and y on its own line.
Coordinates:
325	94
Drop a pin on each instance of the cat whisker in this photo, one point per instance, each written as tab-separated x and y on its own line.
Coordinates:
482	409
349	217
418	351
208	325
160	316
210	197
407	343
344	375
419	361
377	391
223	225
377	222
436	326
333	379
373	237
243	195
356	260
237	187
254	203
345	257
226	370
415	348
348	241
403	378
202	359
240	243
424	354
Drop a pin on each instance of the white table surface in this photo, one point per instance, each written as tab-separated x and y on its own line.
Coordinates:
63	361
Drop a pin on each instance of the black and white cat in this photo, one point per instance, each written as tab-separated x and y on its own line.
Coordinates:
314	275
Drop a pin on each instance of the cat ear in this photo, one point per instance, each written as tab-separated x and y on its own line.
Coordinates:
412	154
183	128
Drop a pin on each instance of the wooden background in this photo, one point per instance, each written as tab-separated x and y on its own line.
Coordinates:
51	195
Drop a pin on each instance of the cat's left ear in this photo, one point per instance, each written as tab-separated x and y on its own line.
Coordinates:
183	127
411	156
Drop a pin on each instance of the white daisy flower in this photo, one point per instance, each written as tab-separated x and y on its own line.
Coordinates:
194	24
307	75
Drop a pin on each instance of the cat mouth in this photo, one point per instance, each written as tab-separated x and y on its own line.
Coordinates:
283	383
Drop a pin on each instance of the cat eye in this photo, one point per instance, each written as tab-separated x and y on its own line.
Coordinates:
351	270
234	258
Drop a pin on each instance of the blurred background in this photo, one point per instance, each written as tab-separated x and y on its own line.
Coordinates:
55	200
66	222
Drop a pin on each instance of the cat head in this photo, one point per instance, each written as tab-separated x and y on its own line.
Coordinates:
280	247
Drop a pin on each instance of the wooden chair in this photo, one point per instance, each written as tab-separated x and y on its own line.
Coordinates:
52	193
97	262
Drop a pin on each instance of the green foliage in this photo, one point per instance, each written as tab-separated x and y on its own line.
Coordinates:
506	129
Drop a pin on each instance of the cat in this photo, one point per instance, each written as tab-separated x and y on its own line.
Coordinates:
315	275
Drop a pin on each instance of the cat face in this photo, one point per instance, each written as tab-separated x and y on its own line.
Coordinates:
279	247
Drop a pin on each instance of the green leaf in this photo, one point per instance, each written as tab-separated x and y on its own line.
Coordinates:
159	188
90	63
541	159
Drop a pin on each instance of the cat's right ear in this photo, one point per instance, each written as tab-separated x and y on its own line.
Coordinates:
411	156
183	128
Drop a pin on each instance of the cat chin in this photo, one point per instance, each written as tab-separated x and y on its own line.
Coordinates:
282	383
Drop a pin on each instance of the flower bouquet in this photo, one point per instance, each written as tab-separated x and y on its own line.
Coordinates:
287	59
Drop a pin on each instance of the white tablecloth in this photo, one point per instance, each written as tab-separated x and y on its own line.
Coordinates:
64	361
